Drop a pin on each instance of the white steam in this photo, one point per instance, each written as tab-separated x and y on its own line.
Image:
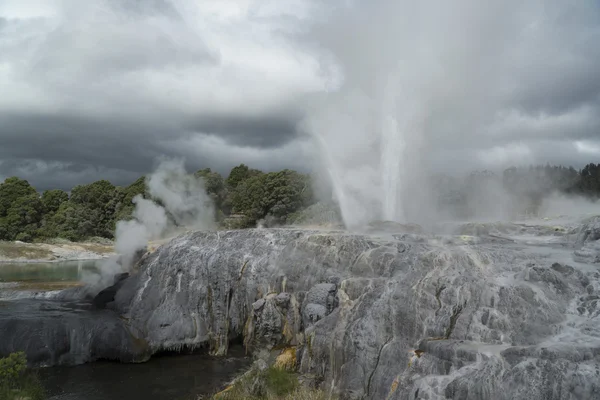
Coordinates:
150	223
183	195
425	85
184	204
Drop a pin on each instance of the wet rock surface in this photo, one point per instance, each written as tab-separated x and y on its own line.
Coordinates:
512	313
397	316
55	332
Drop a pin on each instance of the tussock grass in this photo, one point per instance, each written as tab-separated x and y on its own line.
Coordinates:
270	384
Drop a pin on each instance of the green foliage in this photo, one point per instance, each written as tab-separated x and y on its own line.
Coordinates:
100	201
16	382
213	181
125	207
240	174
589	182
249	195
23	217
71	221
12	189
270	384
276	194
12	368
217	190
52	199
280	382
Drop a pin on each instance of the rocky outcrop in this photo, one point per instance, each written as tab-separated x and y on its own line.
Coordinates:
587	242
53	332
397	316
368	316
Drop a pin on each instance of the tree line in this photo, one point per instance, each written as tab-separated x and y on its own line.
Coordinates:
92	210
247	196
523	188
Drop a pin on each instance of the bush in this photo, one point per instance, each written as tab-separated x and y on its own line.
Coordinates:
16	382
270	384
24	237
279	382
12	368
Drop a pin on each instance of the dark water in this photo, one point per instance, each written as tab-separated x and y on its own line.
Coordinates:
173	377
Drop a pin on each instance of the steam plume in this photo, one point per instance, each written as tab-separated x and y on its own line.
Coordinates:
182	197
428	86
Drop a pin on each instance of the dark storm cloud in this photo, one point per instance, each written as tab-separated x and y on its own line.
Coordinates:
100	89
265	132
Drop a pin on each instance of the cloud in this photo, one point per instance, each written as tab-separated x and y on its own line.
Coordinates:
108	86
586	147
100	89
460	85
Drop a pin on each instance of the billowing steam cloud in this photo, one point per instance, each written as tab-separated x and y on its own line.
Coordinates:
150	222
183	195
184	204
429	84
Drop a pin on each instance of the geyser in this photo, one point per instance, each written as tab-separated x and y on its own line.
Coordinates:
392	151
428	88
365	155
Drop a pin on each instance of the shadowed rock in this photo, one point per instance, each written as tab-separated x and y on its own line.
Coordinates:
106	296
59	333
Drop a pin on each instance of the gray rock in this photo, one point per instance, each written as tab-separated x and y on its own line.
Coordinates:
313	313
319	302
59	333
408	318
283	299
258	305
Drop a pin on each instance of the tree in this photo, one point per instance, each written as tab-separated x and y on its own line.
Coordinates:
125	208
10	190
16	382
100	200
277	194
240	174
24	217
52	199
215	188
589	182
71	221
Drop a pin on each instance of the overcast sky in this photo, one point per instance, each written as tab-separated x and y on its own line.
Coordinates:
101	88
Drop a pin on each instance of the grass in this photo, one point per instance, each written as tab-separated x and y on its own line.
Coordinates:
45	286
97	248
17	250
29	388
270	384
16	381
36	251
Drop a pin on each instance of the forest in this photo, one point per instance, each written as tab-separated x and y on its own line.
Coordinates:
247	196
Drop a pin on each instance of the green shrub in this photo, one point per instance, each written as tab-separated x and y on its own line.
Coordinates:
16	382
280	382
12	368
270	384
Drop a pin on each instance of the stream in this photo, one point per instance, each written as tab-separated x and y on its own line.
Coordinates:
168	376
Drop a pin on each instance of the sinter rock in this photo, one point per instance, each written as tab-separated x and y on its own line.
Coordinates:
389	317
